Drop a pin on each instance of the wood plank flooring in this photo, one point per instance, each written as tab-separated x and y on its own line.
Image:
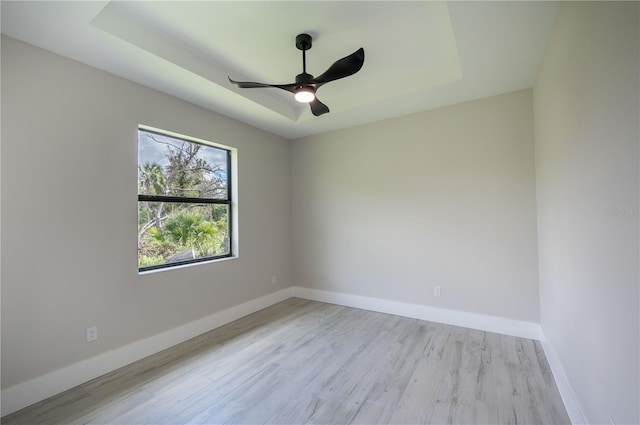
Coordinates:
305	362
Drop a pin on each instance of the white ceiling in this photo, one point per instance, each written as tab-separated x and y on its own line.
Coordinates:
418	55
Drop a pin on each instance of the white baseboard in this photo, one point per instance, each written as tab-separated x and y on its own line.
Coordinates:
522	329
575	412
30	392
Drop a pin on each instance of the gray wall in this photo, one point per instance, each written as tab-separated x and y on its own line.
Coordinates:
69	185
586	127
444	197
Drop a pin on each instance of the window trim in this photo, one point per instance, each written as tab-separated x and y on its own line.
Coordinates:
229	200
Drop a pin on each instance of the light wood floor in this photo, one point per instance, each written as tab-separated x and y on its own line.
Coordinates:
305	362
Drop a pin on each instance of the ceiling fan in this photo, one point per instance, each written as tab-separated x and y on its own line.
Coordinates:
305	87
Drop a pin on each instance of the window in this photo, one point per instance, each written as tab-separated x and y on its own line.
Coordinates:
184	200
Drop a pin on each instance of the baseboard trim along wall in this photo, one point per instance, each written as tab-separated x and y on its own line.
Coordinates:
481	322
569	399
40	388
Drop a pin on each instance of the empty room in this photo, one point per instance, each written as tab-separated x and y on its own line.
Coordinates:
330	212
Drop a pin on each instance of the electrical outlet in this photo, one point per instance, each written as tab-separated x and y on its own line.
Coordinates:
274	279
437	291
92	333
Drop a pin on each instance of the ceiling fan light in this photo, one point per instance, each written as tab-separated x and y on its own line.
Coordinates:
305	95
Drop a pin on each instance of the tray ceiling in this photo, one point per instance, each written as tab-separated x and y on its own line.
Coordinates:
418	55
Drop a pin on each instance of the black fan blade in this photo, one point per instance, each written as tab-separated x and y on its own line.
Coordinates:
344	67
318	108
252	85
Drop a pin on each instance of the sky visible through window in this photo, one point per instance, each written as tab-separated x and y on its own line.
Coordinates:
149	150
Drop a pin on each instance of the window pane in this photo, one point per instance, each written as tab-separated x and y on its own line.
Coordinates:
186	232
169	166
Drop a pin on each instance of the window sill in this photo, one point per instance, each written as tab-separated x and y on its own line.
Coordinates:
182	266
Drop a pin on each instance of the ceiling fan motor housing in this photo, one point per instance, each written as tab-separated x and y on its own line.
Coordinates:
304	78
